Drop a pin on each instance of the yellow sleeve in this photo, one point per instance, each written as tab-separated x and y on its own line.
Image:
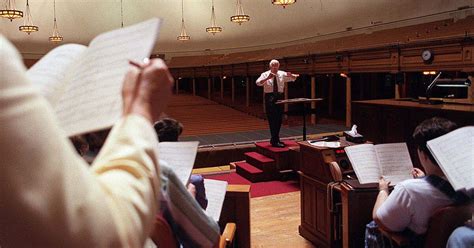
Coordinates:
49	196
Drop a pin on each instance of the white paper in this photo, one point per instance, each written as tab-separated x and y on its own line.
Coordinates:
180	157
395	162
92	98
454	153
364	161
48	74
215	193
331	144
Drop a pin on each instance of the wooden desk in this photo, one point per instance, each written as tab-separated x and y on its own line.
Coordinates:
357	205
236	209
320	211
390	121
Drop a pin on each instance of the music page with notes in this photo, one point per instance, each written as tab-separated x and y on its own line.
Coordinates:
370	162
83	84
454	153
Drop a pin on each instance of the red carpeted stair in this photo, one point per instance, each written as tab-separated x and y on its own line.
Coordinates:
251	173
260	161
280	155
266	163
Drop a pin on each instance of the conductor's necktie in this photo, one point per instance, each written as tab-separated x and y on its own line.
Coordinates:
275	85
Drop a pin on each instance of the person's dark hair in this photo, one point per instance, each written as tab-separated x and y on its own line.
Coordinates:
430	129
168	129
79	143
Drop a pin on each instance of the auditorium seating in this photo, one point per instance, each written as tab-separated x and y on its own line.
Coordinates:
196	112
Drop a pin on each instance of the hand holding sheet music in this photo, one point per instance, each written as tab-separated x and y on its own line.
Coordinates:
454	153
389	160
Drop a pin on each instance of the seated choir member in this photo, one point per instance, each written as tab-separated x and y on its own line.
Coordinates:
169	130
412	202
181	208
49	196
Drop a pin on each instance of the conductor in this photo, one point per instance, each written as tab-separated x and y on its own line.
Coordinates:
273	82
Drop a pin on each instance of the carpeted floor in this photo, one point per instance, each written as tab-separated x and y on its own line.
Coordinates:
259	189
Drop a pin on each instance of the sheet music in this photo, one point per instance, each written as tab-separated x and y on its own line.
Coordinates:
48	73
180	157
395	162
364	161
454	152
215	193
92	99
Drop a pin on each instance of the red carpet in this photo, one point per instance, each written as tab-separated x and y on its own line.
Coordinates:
261	188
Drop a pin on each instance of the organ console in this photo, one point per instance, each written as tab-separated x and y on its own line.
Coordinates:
334	206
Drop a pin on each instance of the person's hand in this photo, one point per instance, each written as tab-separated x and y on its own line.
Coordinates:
192	189
417	173
289	74
383	184
147	89
270	76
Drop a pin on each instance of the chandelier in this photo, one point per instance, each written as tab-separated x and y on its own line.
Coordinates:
28	26
183	36
213	29
10	12
239	16
56	37
283	3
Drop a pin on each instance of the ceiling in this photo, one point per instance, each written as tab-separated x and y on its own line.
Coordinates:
270	26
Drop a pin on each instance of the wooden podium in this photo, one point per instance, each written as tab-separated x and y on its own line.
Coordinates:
302	101
333	214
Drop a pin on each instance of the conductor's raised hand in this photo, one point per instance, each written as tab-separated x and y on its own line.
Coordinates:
147	89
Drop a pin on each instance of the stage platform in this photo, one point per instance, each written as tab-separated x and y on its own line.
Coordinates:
295	132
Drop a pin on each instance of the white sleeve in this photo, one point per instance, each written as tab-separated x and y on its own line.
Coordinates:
395	212
260	81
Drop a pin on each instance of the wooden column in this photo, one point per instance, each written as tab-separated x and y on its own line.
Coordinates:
233	90
222	87
331	94
397	91
176	84
194	86
247	93
313	95
209	88
348	102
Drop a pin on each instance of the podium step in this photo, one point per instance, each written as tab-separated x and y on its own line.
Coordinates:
260	161
249	172
280	155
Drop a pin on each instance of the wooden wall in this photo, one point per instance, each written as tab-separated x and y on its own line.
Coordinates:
392	50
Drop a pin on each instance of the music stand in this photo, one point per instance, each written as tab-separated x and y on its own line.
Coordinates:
303	101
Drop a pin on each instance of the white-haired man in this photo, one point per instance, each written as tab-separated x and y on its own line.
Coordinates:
273	82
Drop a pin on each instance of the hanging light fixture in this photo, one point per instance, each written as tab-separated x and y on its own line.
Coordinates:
213	29
55	38
239	16
28	26
283	3
10	12
183	36
121	13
